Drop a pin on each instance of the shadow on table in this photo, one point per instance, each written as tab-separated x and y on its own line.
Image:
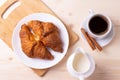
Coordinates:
99	74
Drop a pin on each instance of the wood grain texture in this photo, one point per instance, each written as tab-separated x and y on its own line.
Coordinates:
74	12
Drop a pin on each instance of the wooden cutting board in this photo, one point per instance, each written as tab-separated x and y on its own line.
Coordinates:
26	7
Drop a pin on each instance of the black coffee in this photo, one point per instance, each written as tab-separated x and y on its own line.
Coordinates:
98	25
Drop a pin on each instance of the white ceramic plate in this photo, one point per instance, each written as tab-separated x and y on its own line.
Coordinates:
104	41
40	63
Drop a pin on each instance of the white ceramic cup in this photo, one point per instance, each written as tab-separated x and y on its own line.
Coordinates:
87	71
105	18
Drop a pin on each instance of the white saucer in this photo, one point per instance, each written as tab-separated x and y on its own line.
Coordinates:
103	41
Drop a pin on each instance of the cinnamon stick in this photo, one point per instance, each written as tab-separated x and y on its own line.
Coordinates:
88	39
95	43
92	42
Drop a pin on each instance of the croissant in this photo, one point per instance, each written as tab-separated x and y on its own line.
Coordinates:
40	51
31	47
27	40
48	34
37	28
51	37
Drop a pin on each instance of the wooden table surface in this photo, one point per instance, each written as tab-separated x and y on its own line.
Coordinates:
72	12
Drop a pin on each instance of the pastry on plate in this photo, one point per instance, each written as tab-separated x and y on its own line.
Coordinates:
51	37
31	47
48	34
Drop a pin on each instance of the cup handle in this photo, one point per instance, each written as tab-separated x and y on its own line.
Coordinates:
91	12
81	78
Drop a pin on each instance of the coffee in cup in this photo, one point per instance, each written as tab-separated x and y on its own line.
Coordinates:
99	25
